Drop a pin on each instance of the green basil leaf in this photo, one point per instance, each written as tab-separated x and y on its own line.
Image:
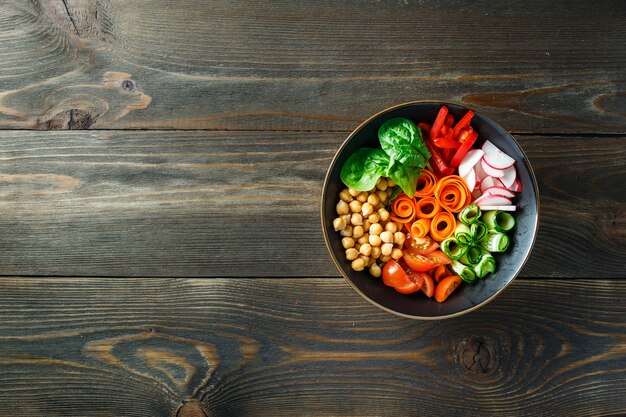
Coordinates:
364	167
405	177
402	141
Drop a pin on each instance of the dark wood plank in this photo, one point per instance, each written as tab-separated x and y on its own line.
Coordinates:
535	66
238	347
247	203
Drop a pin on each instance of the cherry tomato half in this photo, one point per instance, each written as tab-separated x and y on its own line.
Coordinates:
394	275
418	263
446	287
439	257
420	245
428	287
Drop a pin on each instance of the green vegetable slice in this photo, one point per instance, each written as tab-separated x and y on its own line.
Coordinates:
405	178
472	256
402	141
498	220
364	167
463	234
479	231
470	214
486	265
495	242
466	273
453	249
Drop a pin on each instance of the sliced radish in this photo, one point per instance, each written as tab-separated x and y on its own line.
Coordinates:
480	173
476	193
509	177
470	179
503	208
490	170
486	183
495	157
468	162
516	186
495	190
493	200
498	182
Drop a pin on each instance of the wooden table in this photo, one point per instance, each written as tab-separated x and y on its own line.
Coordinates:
169	260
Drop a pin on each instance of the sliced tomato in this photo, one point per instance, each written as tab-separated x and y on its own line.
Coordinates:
418	263
416	277
420	245
410	288
440	272
428	287
394	275
439	257
447	287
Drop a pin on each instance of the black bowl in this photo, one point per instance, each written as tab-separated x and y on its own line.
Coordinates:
467	297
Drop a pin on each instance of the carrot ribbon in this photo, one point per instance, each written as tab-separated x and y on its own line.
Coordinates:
420	228
452	193
402	209
442	226
427	207
425	183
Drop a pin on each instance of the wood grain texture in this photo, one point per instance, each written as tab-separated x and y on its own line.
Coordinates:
247	204
238	347
534	66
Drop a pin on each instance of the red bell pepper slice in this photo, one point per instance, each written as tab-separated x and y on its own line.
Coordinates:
446	143
449	120
440	166
463	150
439	121
465	120
425	128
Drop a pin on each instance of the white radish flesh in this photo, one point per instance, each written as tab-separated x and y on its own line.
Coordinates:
470	179
509	177
490	170
499	190
495	158
493	200
468	162
516	186
503	208
486	183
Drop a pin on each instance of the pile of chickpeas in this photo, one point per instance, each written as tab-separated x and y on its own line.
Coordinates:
369	237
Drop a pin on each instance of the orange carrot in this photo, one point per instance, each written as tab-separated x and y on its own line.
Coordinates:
442	226
425	183
427	208
402	209
452	193
420	228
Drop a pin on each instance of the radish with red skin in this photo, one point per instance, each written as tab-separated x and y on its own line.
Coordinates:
495	157
509	177
495	190
498	182
492	200
469	161
470	179
490	170
516	186
480	173
487	182
502	208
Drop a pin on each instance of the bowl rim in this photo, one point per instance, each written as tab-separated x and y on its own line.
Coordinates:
323	204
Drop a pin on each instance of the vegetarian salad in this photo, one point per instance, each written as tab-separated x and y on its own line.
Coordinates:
427	210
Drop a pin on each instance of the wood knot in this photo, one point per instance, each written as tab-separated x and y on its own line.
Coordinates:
477	355
72	119
192	409
128	85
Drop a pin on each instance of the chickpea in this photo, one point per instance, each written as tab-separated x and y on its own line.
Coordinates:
391	227
366	249
374	218
376	229
399	238
373	199
396	253
384	258
339	224
371	262
357	231
375	252
385	249
374	240
347	231
357	246
342	207
358	264
367	209
366	259
382	196
375	270
362	197
347	242
390	182
345	195
384	214
353	193
366	225
351	254
346	217
355	206
364	239
385	236
356	219
382	184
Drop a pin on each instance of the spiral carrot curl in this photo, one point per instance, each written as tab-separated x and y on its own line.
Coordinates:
425	183
442	226
402	209
427	208
452	193
420	227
